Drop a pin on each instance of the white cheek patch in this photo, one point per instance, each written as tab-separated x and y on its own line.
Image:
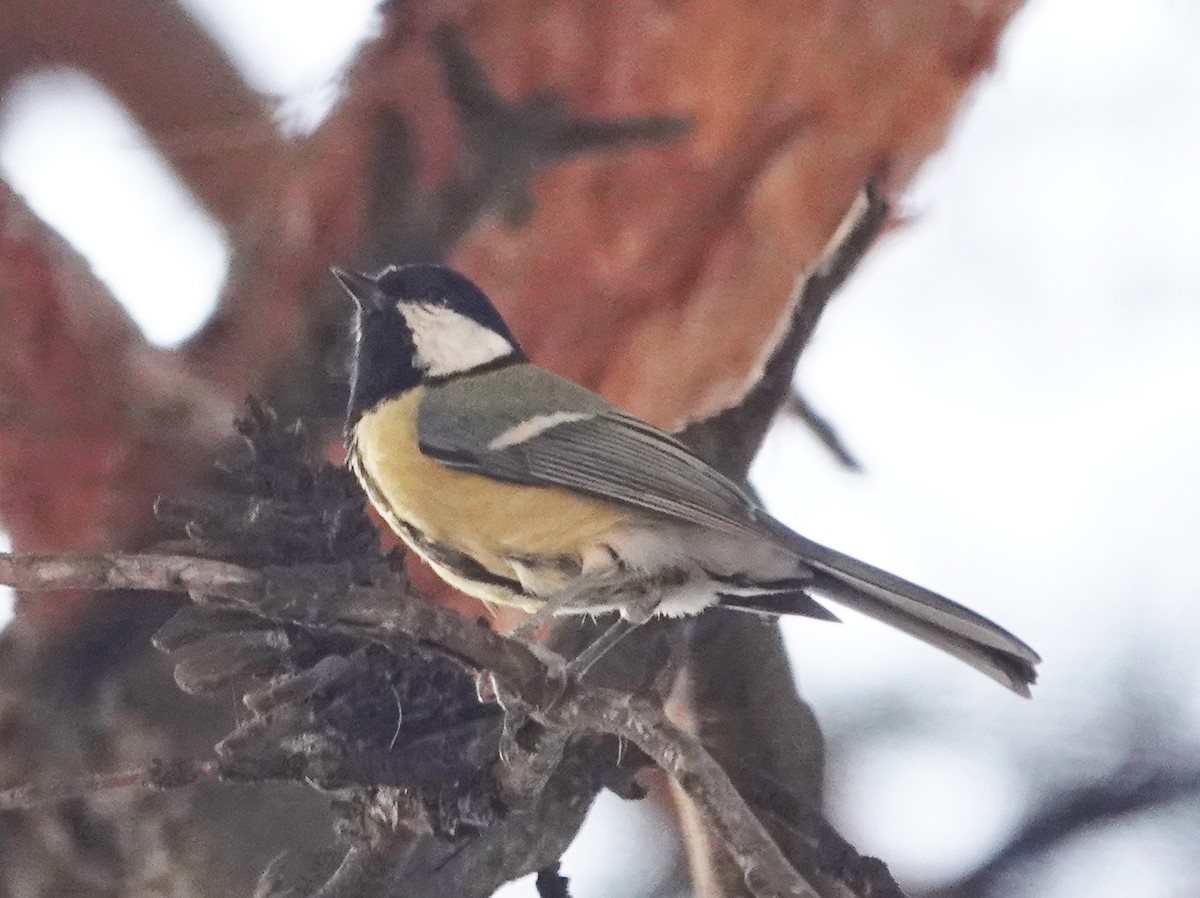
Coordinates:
531	427
449	343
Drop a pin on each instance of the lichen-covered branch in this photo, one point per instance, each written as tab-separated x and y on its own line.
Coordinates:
381	616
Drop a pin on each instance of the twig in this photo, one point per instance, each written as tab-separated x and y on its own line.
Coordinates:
1125	792
540	121
504	145
509	142
767	871
156	776
817	845
730	439
99	570
382	616
34	795
797	404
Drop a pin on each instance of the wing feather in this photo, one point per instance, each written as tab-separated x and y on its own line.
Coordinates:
608	455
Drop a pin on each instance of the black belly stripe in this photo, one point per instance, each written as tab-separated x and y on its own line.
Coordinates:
460	562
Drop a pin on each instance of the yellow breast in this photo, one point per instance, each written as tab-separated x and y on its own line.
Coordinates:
491	521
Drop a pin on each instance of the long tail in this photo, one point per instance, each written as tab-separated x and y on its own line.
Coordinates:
919	612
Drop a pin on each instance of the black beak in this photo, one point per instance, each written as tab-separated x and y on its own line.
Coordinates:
362	289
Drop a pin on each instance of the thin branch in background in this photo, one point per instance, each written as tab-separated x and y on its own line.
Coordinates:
506	143
798	406
1137	788
541	122
555	132
163	775
862	225
730	440
855	235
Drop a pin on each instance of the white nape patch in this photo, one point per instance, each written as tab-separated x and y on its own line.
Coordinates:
449	343
531	427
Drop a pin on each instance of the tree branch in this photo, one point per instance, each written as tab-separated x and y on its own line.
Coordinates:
536	685
734	661
730	439
157	776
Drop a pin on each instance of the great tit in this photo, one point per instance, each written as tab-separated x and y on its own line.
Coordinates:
522	488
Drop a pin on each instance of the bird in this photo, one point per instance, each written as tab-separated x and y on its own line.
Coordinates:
523	488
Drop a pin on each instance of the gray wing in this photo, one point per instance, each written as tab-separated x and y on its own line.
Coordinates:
575	440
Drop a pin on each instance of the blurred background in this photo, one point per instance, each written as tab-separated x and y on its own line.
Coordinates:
1016	366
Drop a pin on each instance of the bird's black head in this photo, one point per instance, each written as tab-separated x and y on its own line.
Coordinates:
417	323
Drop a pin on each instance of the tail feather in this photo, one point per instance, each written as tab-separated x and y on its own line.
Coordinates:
773	604
1004	666
932	618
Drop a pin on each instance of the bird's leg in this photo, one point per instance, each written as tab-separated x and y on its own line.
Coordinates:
599	647
637	596
589	590
638	609
555	603
527	628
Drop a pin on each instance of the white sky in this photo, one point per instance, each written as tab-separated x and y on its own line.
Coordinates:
1018	369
